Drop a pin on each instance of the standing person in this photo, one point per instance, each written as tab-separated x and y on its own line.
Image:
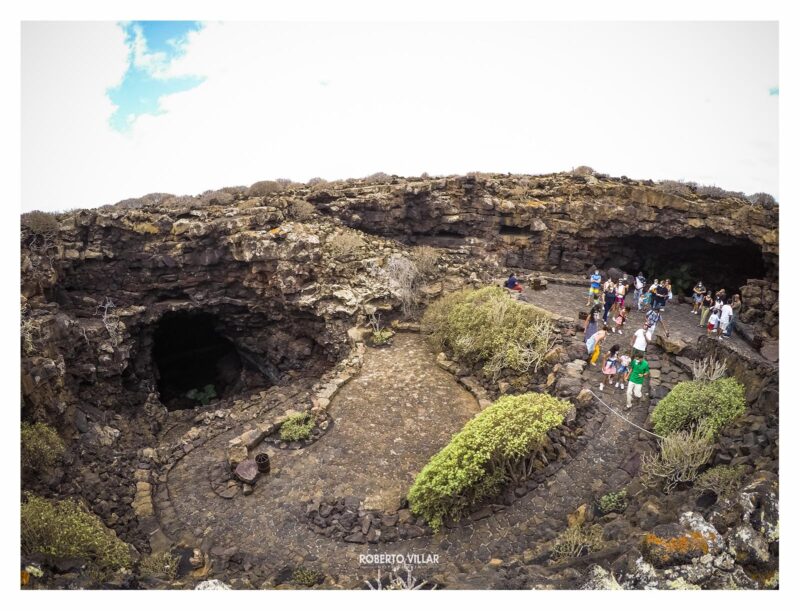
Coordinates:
639	342
513	284
594	287
668	285
736	306
593	345
652	289
713	323
662	292
698	292
622	370
638	287
610	364
725	317
620	319
619	301
640	369
653	318
591	322
705	308
719	298
609	295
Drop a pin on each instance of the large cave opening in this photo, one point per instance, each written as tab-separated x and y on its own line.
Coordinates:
684	261
194	362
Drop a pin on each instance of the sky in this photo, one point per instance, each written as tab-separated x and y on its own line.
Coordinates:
116	110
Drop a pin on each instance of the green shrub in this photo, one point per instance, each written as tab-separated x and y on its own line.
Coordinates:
297	427
613	501
487	327
65	529
41	446
382	337
478	459
307	578
722	479
714	403
577	540
682	454
160	566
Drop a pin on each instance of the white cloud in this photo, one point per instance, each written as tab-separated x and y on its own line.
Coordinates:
655	100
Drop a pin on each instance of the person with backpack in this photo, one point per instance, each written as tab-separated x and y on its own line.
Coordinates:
654	317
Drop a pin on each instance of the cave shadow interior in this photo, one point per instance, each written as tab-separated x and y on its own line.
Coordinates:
686	260
189	354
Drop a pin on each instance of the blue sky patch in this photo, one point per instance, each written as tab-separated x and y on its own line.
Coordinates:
152	46
774	91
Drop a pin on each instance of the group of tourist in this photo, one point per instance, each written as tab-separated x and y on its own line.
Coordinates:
621	369
656	296
718	313
628	369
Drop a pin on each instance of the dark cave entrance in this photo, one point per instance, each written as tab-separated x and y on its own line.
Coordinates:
684	261
194	363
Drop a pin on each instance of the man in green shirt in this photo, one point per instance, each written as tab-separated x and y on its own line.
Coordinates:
640	369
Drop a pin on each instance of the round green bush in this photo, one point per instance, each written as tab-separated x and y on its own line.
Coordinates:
688	404
487	327
476	462
65	529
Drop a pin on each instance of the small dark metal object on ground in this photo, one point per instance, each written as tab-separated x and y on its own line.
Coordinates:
262	460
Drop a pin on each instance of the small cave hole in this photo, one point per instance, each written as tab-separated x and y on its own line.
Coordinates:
194	363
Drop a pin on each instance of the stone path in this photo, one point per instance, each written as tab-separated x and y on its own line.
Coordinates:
399	411
389	420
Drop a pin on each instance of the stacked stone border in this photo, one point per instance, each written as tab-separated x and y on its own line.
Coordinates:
152	504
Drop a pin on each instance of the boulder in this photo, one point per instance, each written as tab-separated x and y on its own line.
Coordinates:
247	471
671	344
748	547
770	351
673	544
212	584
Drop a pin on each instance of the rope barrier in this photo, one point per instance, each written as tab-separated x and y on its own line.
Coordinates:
623	417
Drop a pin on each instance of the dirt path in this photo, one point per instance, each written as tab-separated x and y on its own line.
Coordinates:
388	421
